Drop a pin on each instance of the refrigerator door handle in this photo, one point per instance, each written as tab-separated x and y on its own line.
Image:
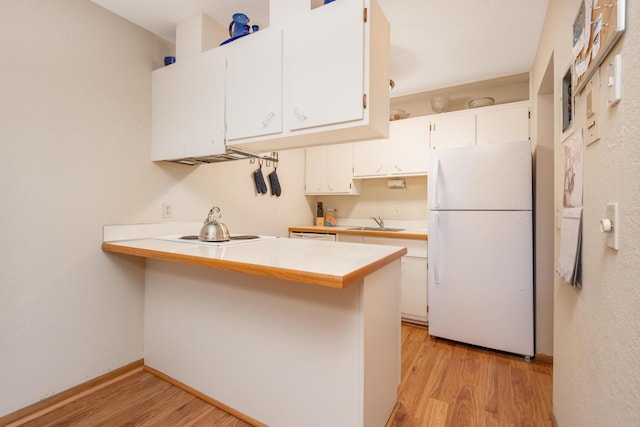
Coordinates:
436	253
436	172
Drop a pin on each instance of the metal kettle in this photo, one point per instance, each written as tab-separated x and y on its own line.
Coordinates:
213	230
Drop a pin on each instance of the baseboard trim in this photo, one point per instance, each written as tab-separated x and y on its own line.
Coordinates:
48	404
204	397
544	358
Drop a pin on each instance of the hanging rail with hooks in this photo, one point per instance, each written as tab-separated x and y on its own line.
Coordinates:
232	153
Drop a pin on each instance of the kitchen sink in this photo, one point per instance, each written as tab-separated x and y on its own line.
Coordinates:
375	229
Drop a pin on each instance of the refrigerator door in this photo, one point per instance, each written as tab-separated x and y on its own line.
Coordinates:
480	278
491	176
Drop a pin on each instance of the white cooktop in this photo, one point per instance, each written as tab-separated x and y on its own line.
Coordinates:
236	239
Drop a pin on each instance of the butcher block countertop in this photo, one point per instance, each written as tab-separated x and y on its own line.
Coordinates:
403	234
331	264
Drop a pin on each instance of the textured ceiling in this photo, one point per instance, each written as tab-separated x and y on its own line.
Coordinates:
434	44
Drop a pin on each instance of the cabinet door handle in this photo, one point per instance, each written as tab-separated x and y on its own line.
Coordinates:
267	119
300	114
397	168
379	168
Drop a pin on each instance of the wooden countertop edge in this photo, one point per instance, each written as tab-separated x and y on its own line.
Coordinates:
390	234
319	279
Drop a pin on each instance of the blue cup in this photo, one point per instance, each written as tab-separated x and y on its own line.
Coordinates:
168	60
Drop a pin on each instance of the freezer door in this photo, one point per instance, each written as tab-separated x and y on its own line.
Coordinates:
491	176
480	278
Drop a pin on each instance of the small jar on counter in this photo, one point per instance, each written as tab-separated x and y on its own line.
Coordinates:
330	217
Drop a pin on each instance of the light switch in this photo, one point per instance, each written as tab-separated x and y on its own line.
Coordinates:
609	225
592	99
614	81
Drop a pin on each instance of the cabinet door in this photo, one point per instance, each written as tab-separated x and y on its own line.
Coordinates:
370	158
187	104
503	123
324	66
413	295
340	168
315	170
409	146
413	286
254	85
452	129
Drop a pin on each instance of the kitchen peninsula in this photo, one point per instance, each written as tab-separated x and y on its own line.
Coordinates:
279	331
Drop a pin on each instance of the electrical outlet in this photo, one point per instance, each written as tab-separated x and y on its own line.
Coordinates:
167	210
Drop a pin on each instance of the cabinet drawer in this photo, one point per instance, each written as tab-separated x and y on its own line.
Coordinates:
415	248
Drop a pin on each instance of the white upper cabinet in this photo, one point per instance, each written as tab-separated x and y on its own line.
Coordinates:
315	170
335	77
254	85
486	125
370	158
188	107
406	152
409	146
317	77
329	170
503	123
324	66
453	129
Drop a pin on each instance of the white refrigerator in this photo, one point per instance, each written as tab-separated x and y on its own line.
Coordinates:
481	246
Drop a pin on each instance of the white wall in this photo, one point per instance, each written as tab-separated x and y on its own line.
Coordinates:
74	155
502	89
596	379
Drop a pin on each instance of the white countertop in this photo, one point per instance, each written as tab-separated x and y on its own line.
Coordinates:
405	233
334	264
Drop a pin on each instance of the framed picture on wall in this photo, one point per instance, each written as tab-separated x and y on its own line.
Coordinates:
567	108
597	28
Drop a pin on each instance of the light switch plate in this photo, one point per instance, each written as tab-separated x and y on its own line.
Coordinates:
614	81
591	133
592	100
613	236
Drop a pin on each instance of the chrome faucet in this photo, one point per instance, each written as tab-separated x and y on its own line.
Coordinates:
378	221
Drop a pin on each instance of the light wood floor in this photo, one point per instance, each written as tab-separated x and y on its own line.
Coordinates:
451	384
443	384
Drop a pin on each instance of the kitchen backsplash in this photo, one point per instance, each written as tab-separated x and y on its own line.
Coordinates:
376	199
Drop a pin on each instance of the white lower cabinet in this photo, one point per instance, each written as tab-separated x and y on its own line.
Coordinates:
413	287
351	238
413	295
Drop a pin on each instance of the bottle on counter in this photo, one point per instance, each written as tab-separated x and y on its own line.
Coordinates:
319	215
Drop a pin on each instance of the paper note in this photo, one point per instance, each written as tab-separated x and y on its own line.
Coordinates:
573	170
569	262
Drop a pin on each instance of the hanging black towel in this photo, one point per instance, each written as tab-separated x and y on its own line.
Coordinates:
275	183
258	178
